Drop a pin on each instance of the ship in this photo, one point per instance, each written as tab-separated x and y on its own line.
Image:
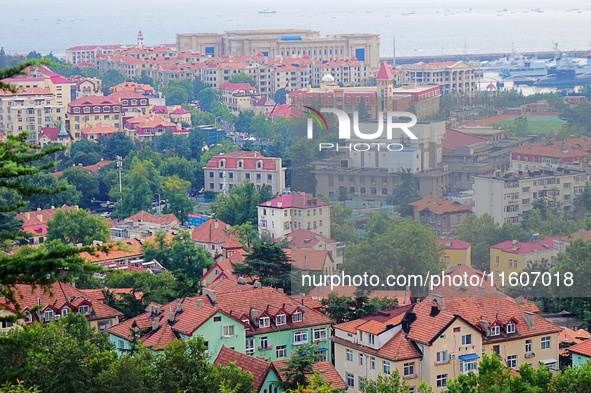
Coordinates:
564	78
530	68
267	11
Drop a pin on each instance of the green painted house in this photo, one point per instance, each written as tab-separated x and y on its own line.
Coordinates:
580	353
265	376
261	322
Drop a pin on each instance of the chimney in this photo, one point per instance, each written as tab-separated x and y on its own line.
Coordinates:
305	261
215	224
280	290
485	325
254	315
40	217
155	323
204	270
257	284
170	315
439	300
179	307
28	215
241	281
323	374
529	318
199	304
210	293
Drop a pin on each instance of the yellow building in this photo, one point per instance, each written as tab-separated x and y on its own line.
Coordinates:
456	252
512	256
89	111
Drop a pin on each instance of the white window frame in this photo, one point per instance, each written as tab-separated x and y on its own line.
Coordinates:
319	334
65	311
510	328
409	369
300	337
280	319
469	365
466	338
228	330
297	316
528	346
545	344
442	357
371	338
387	367
264	321
84	309
249	345
441	381
494	331
512	361
349	355
282	349
47	312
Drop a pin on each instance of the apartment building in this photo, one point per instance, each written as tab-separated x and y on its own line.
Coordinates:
289	212
506	198
86	54
147	127
512	256
443	215
284	43
261	322
551	155
457	78
237	97
212	235
46	306
88	111
349	72
561	242
303	239
227	170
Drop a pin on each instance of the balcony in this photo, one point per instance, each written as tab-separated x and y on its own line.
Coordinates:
265	348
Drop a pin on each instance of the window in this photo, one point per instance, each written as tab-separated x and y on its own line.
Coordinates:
96	109
65	311
409	369
494	331
387	369
360	336
264	343
442	380
76	110
120	344
297	316
218	318
228	330
361	382
510	328
280	319
372	339
361	359
512	361
457	329
48	315
469	365
6	324
349	355
300	337
319	334
264	322
249	345
528	346
546	342
28	317
281	351
441	357
467	339
497	349
84	309
350	380
372	363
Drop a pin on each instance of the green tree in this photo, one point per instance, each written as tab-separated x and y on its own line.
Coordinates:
230	376
386	384
481	232
299	366
341	228
280	96
145	79
241	204
119	144
241	77
207	97
246	233
345	308
268	263
520	126
139	187
77	226
406	192
343	194
110	79
175	192
362	111
67	195
85	182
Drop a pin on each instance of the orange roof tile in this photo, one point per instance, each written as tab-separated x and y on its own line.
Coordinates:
325	369
583	348
212	232
164	219
440	206
313	260
257	367
116	252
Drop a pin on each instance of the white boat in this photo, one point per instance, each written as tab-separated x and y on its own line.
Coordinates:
267	11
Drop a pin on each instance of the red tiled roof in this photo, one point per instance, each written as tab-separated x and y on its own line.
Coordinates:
212	232
313	260
232	243
484	288
428	327
453	139
230	86
179	111
580	234
257	367
58	296
305	239
583	348
565	153
50	132
98	294
440	206
137	250
325	369
165	219
295	200
249	160
93	100
99	128
385	72
525	247
222	284
40	217
454	244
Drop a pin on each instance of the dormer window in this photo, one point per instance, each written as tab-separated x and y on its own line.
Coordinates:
371	339
280	319
297	316
495	330
222	163
245	321
259	164
133	102
264	322
86	109
84	309
96	109
28	317
240	164
510	328
65	311
48	315
76	110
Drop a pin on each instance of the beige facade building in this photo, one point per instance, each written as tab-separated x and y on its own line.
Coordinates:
284	43
89	111
453	77
289	212
506	198
237	97
225	171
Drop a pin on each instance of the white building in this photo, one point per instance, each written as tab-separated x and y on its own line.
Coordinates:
286	213
508	197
